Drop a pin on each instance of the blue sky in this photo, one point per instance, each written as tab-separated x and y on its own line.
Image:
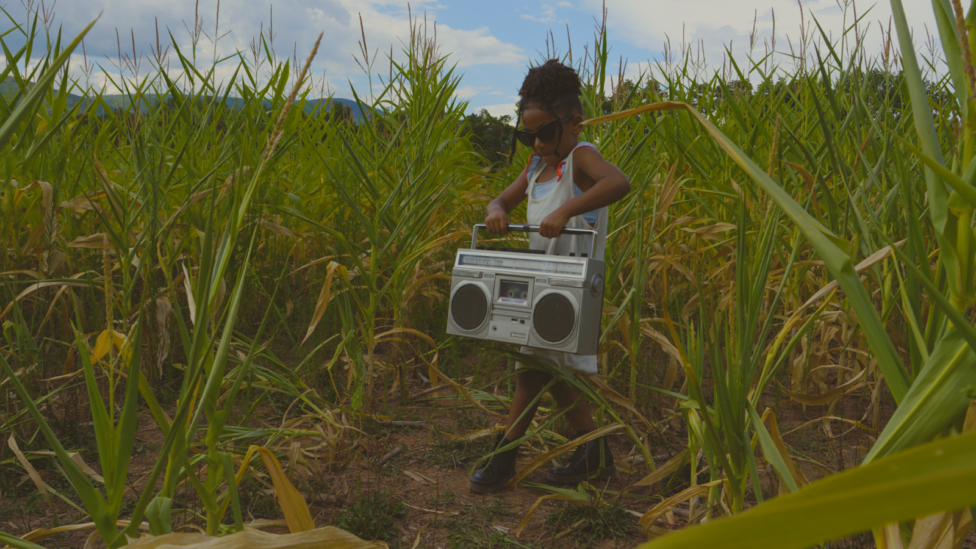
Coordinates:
491	42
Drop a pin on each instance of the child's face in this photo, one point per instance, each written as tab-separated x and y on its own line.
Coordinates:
553	152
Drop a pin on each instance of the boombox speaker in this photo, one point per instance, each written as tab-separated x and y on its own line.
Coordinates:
525	297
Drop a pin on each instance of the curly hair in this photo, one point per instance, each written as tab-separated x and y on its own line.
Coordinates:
553	86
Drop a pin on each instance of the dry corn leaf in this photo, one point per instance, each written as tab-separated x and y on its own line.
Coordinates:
76	457
273	226
105	342
561	449
670	190
660	509
665	470
890	537
190	302
41	285
325	296
422	479
323	538
292	503
83	203
945	530
93	241
385	336
769	418
868	262
831	395
472	435
934	532
31	472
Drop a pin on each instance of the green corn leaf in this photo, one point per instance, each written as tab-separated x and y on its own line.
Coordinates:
90	497
945	18
927	479
828	246
28	106
18	543
125	432
770	451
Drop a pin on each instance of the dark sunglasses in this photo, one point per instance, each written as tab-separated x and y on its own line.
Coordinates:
545	133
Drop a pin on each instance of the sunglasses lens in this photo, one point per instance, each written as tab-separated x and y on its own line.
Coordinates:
545	133
527	138
548	131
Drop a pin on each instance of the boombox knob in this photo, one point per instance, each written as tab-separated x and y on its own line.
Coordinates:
596	286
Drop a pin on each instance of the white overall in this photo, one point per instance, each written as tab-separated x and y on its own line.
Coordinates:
538	209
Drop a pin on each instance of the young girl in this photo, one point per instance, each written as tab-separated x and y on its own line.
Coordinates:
568	184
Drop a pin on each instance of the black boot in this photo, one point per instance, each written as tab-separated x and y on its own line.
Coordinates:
585	463
493	475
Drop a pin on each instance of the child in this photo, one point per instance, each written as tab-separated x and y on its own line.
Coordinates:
568	184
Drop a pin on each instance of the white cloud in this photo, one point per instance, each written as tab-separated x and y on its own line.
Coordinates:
708	27
296	26
548	15
467	92
500	109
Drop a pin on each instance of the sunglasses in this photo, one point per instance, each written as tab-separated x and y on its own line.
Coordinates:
545	133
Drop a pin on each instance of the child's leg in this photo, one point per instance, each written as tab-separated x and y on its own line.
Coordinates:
590	460
493	475
528	385
579	416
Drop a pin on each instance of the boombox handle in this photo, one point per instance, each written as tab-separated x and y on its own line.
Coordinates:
534	229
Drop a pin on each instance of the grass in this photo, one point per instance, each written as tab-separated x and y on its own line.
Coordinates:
373	516
591	524
452	454
474	527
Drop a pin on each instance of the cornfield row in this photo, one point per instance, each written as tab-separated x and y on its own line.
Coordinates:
806	239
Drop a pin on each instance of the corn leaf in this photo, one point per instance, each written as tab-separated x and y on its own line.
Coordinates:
926	479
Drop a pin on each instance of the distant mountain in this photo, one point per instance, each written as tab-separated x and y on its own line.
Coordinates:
9	88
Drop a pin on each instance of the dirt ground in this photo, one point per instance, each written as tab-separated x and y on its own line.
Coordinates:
410	458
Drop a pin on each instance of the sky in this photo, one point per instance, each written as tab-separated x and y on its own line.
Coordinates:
490	44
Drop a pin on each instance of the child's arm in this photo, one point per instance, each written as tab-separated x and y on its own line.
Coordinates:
496	214
602	184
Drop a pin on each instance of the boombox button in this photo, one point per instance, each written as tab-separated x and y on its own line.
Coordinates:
522	321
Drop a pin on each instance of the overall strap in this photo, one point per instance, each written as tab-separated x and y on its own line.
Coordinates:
569	158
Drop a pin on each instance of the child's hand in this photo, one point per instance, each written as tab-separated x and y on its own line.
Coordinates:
553	224
497	221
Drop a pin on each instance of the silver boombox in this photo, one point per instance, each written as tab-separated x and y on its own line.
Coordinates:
526	297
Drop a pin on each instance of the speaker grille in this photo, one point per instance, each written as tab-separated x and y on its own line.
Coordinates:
469	307
554	318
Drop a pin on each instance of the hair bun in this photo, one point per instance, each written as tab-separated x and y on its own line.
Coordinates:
550	83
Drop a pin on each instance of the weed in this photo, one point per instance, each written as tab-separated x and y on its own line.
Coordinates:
256	502
439	501
469	420
472	527
473	537
450	454
593	523
373	516
858	541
